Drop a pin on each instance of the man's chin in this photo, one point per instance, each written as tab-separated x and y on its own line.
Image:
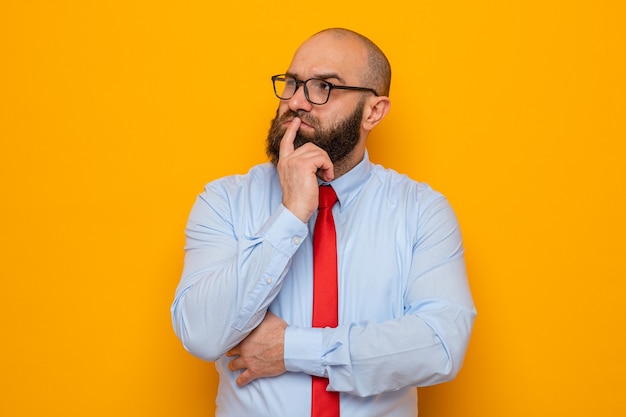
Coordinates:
300	140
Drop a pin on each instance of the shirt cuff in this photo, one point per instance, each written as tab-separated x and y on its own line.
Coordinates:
285	231
303	350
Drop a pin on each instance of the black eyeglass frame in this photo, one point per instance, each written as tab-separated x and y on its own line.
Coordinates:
331	87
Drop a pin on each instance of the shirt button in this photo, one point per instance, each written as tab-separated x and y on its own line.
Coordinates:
268	280
296	240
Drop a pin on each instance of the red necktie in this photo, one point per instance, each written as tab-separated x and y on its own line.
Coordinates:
324	403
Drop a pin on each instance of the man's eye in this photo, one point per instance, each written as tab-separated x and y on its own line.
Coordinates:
322	86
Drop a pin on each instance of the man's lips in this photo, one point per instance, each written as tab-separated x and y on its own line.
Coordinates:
303	125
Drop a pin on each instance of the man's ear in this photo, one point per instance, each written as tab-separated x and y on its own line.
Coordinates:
375	109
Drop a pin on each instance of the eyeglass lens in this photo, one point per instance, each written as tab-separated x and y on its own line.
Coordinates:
317	91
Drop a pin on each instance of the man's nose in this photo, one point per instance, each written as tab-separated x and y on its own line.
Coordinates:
298	101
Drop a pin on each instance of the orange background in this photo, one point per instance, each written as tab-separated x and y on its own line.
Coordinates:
114	114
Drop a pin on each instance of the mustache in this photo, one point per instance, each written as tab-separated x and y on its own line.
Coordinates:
302	115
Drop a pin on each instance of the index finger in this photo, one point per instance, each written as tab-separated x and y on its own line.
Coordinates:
286	144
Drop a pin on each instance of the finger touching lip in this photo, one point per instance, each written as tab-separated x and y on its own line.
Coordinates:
303	125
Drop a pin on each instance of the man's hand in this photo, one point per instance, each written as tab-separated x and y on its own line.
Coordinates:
298	170
261	353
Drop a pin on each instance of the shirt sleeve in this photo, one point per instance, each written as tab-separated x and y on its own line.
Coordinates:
229	279
424	346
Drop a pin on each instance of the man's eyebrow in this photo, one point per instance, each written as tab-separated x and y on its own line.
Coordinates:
329	75
321	76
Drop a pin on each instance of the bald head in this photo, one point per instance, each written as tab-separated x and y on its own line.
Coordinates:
377	71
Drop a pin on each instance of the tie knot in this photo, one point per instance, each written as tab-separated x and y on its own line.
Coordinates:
328	197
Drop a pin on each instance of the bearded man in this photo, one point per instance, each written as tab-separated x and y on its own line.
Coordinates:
346	319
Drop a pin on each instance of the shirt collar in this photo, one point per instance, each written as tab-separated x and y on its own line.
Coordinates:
349	184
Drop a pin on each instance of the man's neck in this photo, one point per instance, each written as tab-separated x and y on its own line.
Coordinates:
350	161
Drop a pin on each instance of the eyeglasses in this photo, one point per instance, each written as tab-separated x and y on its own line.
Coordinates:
316	91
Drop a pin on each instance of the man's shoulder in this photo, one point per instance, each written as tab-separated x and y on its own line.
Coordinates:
394	178
260	173
396	187
259	184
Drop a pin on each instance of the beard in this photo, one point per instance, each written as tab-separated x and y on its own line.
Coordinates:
338	141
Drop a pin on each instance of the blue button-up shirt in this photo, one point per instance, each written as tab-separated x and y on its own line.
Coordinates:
405	308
